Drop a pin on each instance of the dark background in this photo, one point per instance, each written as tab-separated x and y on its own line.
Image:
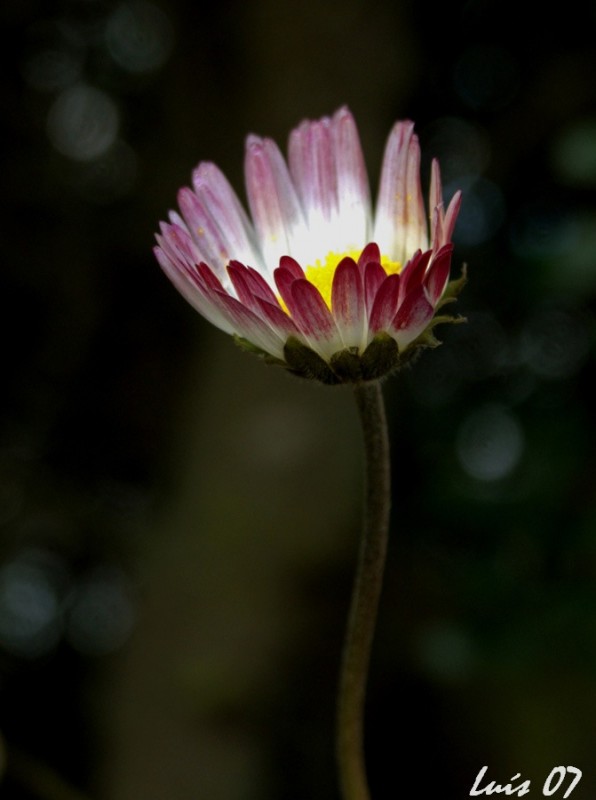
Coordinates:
179	523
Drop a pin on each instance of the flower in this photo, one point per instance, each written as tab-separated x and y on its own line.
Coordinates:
316	282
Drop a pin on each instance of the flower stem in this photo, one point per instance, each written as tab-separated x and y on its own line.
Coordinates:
366	593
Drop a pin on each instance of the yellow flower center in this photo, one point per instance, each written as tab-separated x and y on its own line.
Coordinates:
321	273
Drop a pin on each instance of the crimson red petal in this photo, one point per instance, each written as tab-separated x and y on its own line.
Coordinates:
250	285
374	275
277	318
438	274
309	310
292	266
414	313
209	278
347	300
259	286
284	280
237	273
385	304
413	273
370	253
248	324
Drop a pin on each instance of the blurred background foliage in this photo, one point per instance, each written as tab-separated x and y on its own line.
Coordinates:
179	524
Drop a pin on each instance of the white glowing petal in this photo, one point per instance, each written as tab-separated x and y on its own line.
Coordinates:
327	166
400	224
354	207
273	201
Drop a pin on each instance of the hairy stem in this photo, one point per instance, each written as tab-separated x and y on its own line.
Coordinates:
365	596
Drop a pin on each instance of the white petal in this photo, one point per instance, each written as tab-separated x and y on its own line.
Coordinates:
400	224
352	183
273	201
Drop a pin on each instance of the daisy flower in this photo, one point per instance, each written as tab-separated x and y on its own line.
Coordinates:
313	280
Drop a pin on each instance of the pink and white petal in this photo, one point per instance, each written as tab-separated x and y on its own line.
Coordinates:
193	292
176	219
437	276
250	326
313	318
437	227
354	205
391	203
273	201
416	225
374	275
435	198
176	259
442	223
176	242
385	305
238	273
401	226
202	289
298	159
250	286
347	302
413	316
259	286
277	319
214	191
209	278
451	216
312	167
205	231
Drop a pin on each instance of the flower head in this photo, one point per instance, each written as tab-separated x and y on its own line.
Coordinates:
314	281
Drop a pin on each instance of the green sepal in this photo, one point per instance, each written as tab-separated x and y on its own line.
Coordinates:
347	365
305	363
380	357
427	338
453	288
